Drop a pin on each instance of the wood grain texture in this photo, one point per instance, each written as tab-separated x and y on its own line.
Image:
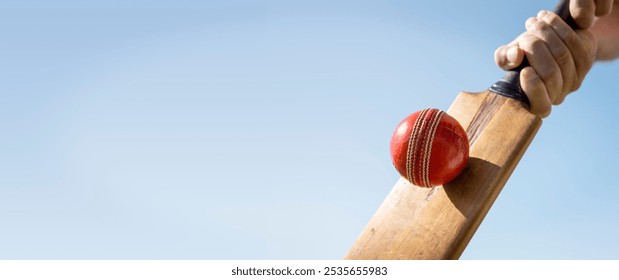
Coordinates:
438	223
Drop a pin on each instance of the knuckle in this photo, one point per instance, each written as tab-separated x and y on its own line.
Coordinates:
534	44
565	32
556	98
538	25
576	85
563	57
569	37
500	52
584	56
544	110
530	21
550	74
586	38
552	18
549	77
559	100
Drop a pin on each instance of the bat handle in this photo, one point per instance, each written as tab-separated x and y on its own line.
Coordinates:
509	85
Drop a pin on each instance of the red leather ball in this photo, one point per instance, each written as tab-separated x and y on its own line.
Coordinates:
429	148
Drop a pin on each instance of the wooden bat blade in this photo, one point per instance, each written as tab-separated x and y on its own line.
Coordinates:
438	223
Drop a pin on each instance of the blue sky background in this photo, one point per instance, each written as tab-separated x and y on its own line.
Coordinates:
260	129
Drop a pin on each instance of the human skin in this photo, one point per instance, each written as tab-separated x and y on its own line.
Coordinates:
560	57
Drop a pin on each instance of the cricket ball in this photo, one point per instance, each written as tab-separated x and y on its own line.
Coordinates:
429	148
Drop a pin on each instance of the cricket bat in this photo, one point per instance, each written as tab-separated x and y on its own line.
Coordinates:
439	222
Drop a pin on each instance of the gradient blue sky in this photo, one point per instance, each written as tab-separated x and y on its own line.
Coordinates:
259	129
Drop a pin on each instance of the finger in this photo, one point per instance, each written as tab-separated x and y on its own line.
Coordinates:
541	59
561	53
587	49
583	12
560	100
603	7
509	56
580	44
534	88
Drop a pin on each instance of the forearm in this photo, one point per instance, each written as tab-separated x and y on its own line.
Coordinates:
606	32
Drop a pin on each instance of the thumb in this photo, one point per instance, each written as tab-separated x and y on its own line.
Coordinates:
509	56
